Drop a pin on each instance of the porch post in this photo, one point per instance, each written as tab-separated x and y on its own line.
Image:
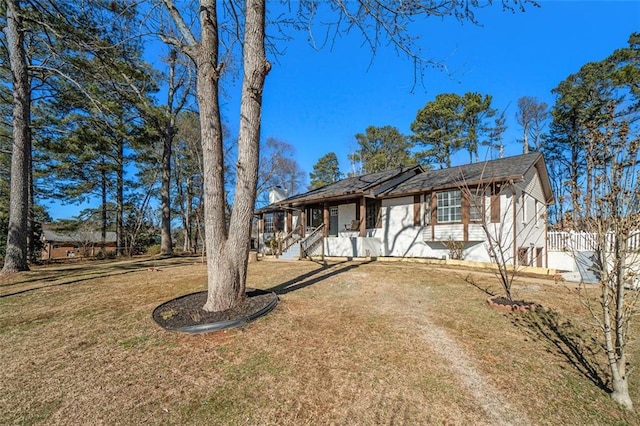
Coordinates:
289	222
325	219
303	222
363	217
261	224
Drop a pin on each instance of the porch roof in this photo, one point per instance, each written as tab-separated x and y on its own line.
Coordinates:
353	186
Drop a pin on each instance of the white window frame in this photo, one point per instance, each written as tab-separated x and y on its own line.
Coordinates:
449	206
269	221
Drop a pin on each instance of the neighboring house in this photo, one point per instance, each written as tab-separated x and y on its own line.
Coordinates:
58	245
410	212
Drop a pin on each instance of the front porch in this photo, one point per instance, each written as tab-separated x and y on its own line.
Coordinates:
321	229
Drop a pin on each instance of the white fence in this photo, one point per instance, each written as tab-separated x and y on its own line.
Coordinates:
586	241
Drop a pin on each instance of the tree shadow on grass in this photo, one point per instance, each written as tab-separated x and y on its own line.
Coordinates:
75	273
322	273
477	283
566	339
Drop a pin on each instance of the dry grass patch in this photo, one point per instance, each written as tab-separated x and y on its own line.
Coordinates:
349	343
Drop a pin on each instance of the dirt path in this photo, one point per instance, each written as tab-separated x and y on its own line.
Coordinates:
495	405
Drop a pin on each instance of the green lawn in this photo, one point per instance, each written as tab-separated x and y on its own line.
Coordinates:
349	343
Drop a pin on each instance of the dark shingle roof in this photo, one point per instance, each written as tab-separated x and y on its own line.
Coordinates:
498	170
76	236
349	186
416	180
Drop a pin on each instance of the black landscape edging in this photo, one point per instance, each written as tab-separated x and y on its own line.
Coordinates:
221	325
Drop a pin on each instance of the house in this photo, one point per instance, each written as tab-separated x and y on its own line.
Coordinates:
59	245
411	212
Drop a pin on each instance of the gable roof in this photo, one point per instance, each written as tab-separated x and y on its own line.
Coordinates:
354	186
499	170
415	180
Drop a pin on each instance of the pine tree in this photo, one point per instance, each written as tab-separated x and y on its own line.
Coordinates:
325	171
383	148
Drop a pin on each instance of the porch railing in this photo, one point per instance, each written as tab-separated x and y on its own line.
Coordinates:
587	241
312	242
290	239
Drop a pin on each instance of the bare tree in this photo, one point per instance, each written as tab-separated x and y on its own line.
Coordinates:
378	22
278	168
614	228
532	115
227	249
502	209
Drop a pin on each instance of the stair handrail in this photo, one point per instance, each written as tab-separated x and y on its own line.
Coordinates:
288	240
311	241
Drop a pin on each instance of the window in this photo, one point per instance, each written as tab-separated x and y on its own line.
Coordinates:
333	211
314	217
273	222
524	208
523	256
268	223
449	207
279	221
373	213
536	212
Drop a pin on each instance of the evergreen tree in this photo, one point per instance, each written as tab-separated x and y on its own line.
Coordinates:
452	122
438	128
383	148
325	171
99	123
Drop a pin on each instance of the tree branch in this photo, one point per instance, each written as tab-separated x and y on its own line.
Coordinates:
183	28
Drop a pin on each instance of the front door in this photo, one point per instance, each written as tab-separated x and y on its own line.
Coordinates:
333	221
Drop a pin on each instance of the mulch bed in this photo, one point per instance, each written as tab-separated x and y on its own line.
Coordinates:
504	304
186	311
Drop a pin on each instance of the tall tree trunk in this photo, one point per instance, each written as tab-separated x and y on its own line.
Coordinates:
16	253
120	240
227	257
221	276
166	245
574	172
616	350
103	210
31	219
188	227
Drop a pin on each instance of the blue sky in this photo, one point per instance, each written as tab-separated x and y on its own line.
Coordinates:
318	100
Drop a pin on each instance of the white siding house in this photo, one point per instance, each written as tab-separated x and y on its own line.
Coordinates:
411	212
